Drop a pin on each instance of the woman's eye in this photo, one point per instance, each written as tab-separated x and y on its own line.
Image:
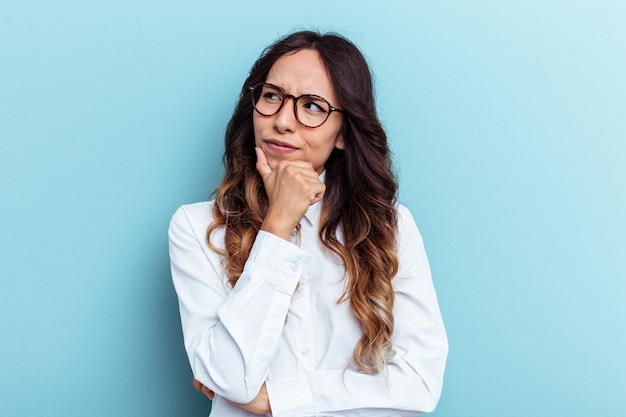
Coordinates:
271	96
314	106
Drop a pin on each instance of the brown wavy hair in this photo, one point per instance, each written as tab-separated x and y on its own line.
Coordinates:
359	202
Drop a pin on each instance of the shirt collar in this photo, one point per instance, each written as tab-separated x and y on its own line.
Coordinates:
314	211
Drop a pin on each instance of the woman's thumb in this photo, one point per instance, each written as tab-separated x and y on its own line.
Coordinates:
261	162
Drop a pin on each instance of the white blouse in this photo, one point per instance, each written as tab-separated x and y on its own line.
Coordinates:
282	324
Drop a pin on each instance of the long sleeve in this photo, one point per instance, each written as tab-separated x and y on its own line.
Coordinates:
413	380
231	336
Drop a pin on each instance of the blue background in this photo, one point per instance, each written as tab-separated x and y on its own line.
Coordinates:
507	120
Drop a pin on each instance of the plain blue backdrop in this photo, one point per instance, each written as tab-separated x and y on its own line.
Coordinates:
507	122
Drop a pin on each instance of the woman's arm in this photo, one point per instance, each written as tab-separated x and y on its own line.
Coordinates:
231	340
231	336
413	379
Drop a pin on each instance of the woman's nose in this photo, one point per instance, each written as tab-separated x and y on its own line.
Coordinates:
285	120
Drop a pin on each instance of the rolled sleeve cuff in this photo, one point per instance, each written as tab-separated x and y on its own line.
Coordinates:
278	261
290	397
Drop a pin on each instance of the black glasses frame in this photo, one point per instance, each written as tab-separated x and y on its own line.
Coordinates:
286	96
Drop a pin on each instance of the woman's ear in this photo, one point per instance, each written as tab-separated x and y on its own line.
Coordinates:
339	142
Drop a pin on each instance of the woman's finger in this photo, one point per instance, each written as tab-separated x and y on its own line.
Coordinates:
261	163
197	385
209	393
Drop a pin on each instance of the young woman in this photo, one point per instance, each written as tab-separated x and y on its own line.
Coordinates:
304	287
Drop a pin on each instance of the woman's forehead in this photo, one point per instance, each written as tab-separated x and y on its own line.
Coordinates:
302	72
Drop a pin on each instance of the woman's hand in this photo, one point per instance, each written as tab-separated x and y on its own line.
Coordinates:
260	404
201	388
291	188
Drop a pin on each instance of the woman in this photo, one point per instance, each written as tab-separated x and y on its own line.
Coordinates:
304	287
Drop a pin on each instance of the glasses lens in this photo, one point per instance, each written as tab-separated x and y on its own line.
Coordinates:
312	110
267	99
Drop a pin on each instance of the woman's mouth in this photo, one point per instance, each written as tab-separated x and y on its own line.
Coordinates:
280	147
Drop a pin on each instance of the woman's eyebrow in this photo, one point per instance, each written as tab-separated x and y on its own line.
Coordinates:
284	91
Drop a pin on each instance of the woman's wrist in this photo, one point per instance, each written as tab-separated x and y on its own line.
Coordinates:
280	232
278	228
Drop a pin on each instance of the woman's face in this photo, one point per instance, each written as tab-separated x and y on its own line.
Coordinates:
280	136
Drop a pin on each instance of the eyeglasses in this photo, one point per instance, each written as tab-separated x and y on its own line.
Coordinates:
310	110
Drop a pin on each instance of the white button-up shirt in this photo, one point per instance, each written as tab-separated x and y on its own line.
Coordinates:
281	324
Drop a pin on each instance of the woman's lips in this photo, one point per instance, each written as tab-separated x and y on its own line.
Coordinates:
279	146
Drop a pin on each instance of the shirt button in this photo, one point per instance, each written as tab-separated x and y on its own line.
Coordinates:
294	267
305	351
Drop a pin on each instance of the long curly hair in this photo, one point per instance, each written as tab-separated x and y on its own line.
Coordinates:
358	217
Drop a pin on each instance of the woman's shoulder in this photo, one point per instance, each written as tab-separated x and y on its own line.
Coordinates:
404	214
407	226
201	209
197	216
